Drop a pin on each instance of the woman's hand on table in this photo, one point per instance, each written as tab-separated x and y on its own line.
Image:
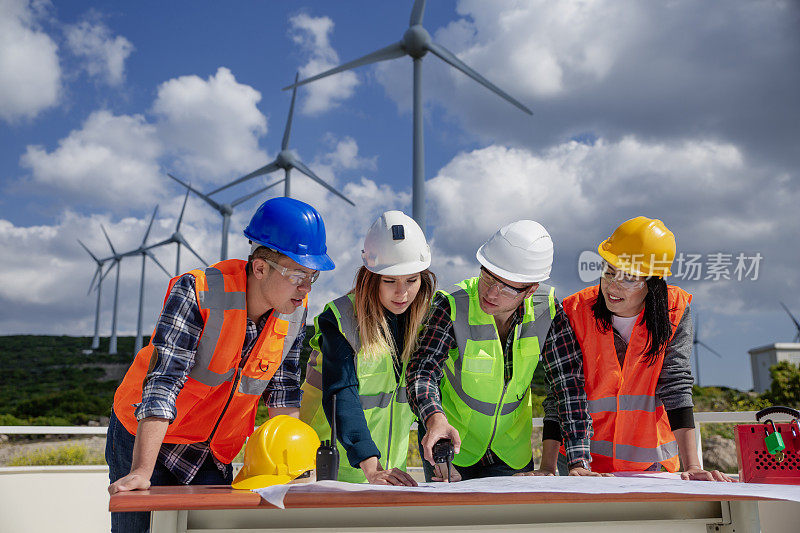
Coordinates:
376	475
695	473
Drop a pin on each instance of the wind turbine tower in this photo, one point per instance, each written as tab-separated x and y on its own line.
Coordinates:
145	252
287	161
98	276
416	43
115	261
696	344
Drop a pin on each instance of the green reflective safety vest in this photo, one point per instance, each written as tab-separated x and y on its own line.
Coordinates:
487	411
383	399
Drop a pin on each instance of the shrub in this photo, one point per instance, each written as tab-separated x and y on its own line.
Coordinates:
785	388
69	454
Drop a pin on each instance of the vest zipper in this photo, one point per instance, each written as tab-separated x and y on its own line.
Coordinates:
230	397
497	416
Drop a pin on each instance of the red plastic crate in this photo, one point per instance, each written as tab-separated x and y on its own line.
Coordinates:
757	465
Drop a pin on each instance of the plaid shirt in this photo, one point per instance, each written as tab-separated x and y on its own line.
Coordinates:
561	357
175	340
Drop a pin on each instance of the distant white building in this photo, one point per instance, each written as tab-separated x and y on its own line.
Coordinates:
765	356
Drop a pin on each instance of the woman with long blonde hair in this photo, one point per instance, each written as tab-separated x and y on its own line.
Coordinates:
362	344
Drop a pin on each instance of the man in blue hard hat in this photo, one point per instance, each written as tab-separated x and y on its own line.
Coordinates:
228	334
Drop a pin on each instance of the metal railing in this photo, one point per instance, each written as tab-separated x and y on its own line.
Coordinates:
711	417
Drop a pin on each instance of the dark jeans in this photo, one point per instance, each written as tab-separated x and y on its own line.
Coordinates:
498	468
119	454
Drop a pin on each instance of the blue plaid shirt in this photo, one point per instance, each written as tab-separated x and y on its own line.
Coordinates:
175	340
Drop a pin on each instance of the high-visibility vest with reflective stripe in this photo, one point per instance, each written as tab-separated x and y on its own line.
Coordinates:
486	411
631	428
383	399
209	408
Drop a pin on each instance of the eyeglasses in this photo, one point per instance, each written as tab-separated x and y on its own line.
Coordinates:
295	277
623	281
504	288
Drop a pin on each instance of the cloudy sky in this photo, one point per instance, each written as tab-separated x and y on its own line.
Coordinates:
686	111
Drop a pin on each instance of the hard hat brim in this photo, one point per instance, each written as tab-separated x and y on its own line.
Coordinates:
403	269
261	481
314	262
503	273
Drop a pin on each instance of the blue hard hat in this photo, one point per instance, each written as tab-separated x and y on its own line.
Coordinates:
292	228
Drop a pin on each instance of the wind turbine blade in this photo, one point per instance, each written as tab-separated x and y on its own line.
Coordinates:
448	57
416	13
208	200
709	348
186	244
149	226
307	171
113	251
288	130
390	52
88	251
266	169
108	270
252	194
97	272
180	217
156	261
796	323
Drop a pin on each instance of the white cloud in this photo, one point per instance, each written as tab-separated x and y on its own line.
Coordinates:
212	125
344	154
30	74
111	161
312	34
104	54
708	193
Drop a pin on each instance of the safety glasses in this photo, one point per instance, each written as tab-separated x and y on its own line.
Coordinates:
505	289
295	277
624	281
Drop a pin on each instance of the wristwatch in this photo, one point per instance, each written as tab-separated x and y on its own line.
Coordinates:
580	463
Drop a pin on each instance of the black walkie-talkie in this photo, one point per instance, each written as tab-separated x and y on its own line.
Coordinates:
328	452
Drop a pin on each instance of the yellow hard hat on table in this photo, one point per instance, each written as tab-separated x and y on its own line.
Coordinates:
281	449
640	246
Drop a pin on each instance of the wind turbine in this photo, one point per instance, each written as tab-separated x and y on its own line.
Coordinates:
417	42
696	343
796	322
145	252
115	261
177	238
98	276
226	210
287	161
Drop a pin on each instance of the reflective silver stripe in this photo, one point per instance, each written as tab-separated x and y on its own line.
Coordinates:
602	447
602	405
641	402
296	320
348	322
380	400
461	327
402	395
216	301
313	377
254	386
510	407
627	402
485	408
627	452
542	321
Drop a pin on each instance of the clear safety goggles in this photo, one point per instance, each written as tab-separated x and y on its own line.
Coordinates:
624	281
295	277
505	289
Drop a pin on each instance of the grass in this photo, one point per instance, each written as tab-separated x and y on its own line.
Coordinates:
68	454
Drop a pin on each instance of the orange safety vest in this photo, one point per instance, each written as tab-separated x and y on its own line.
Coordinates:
218	402
631	429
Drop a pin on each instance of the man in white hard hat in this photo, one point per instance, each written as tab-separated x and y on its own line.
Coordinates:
469	380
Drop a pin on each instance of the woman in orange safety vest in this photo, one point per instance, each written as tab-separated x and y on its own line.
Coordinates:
635	332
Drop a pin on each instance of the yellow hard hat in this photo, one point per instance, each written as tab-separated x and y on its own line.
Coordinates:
278	451
640	246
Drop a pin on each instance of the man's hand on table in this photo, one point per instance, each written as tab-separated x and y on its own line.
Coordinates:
580	471
695	473
440	473
132	481
376	475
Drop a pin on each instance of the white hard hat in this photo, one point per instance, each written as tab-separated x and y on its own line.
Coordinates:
395	246
521	251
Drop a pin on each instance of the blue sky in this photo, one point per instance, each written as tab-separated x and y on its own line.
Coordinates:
686	111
